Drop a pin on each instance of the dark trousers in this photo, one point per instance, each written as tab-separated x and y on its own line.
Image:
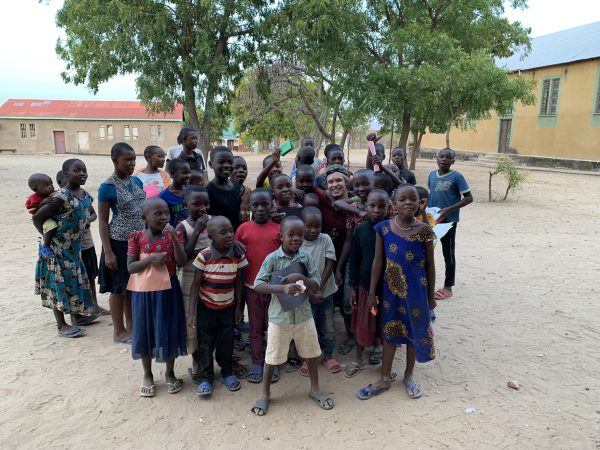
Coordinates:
215	332
258	316
448	243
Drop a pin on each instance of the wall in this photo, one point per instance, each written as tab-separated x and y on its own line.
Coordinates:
10	136
574	133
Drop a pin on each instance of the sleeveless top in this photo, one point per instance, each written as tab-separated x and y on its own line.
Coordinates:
129	210
203	240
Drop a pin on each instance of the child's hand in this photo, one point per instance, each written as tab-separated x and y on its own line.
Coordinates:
292	278
110	260
201	223
276	153
158	259
298	194
376	159
338	277
239	249
316	298
373	137
239	315
423	205
353	299
168	230
292	289
276	217
432	303
371	301
362	213
443	213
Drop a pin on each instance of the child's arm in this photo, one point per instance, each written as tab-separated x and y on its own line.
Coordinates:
262	176
376	269
467	199
395	180
135	265
110	260
430	271
354	270
341	266
329	264
195	290
93	215
289	289
239	301
178	251
345	205
45	212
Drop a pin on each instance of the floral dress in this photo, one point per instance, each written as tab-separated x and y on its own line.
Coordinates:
61	280
405	312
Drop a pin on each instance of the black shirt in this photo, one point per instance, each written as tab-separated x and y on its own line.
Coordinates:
226	203
408	176
362	254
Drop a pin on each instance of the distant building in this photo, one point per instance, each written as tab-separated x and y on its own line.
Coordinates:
71	126
564	121
231	139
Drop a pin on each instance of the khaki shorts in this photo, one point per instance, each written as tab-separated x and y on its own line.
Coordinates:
279	336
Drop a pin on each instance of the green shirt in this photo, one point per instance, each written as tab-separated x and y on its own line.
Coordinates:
278	260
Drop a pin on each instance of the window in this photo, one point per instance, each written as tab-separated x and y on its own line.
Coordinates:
161	136
597	108
152	132
23	127
109	132
101	135
134	133
32	130
126	132
549	101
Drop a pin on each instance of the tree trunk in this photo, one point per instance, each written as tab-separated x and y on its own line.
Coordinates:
448	128
204	134
418	136
405	132
391	142
344	136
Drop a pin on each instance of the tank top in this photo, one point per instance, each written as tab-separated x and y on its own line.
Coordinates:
129	209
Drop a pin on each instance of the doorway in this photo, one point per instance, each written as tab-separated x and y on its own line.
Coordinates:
504	137
83	142
59	142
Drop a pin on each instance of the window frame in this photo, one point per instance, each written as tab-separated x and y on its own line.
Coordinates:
23	130
135	134
152	132
101	132
550	90
109	132
126	133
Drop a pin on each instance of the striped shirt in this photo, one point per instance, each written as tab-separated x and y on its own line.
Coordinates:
219	272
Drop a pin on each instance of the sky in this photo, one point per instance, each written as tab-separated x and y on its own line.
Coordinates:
31	69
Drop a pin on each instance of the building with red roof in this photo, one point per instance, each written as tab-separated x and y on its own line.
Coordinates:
88	127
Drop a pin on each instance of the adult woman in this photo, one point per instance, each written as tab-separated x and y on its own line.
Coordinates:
123	195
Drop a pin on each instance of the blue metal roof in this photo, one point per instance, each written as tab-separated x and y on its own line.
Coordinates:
562	47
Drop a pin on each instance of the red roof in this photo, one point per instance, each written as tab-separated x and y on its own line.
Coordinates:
82	109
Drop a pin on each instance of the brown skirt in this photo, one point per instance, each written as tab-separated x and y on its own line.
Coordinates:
364	326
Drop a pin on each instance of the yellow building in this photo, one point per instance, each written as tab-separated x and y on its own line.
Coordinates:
564	121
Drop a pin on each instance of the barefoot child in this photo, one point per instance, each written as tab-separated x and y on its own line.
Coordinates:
364	324
239	174
297	324
60	279
153	177
408	284
195	239
224	193
42	187
261	237
446	187
180	172
156	299
217	286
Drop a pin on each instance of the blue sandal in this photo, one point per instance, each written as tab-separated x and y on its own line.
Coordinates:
256	374
275	377
369	391
205	389
231	383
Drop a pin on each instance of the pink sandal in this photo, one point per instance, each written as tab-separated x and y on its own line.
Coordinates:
332	365
304	369
442	294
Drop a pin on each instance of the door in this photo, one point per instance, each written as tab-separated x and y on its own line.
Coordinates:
59	142
504	138
230	144
83	142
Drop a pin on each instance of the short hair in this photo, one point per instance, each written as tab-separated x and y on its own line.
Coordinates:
35	179
399	148
279	175
289	219
306	152
219	149
60	177
305	168
69	163
239	157
379	192
449	150
311	210
261	191
404	186
119	148
152	202
330	147
367	173
380	176
423	192
380	148
265	160
310	196
194	189
184	132
177	164
150	150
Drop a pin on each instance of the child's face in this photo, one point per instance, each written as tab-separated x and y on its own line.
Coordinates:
362	186
125	162
377	207
311	200
222	164
307	142
423	202
445	159
406	201
282	189
336	184
77	173
312	226
197	204
157	217
305	181
182	175
191	141
221	234
394	169
398	157
260	205
336	156
44	186
382	182
292	236
240	170
196	178
157	159
276	170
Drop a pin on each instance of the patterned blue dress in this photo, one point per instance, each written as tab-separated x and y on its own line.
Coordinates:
405	307
61	280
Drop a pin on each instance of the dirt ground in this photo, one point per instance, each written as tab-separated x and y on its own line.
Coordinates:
525	308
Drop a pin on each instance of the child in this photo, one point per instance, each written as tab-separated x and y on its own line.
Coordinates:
218	287
271	167
196	178
239	174
188	150
284	198
180	172
157	304
311	199
297	324
224	193
422	215
446	188
364	324
60	280
335	156
320	248
153	177
261	237
399	160
306	155
305	178
42	187
195	239
406	247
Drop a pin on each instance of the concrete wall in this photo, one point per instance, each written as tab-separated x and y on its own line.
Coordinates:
573	133
43	142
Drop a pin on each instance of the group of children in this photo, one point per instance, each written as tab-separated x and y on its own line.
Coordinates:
184	259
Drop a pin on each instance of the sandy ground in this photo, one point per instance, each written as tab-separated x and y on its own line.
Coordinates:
525	308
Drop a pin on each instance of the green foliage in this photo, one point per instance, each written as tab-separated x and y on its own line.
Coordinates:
515	180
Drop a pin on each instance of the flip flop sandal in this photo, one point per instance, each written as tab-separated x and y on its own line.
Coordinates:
176	387
322	400
256	374
352	369
127	340
376	355
304	369
195	376
275	377
413	390
146	391
239	370
239	345
87	320
332	365
248	347
205	389
261	406
369	391
293	364
442	294
347	346
231	383
73	332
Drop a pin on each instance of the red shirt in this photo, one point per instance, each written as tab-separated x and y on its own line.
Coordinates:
140	243
33	202
260	240
334	222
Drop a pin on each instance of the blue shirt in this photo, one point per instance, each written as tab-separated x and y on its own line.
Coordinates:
447	190
177	210
108	193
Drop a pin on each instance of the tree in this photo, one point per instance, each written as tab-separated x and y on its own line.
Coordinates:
187	51
515	180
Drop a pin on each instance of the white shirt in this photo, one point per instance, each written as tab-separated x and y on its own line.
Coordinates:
319	250
175	151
